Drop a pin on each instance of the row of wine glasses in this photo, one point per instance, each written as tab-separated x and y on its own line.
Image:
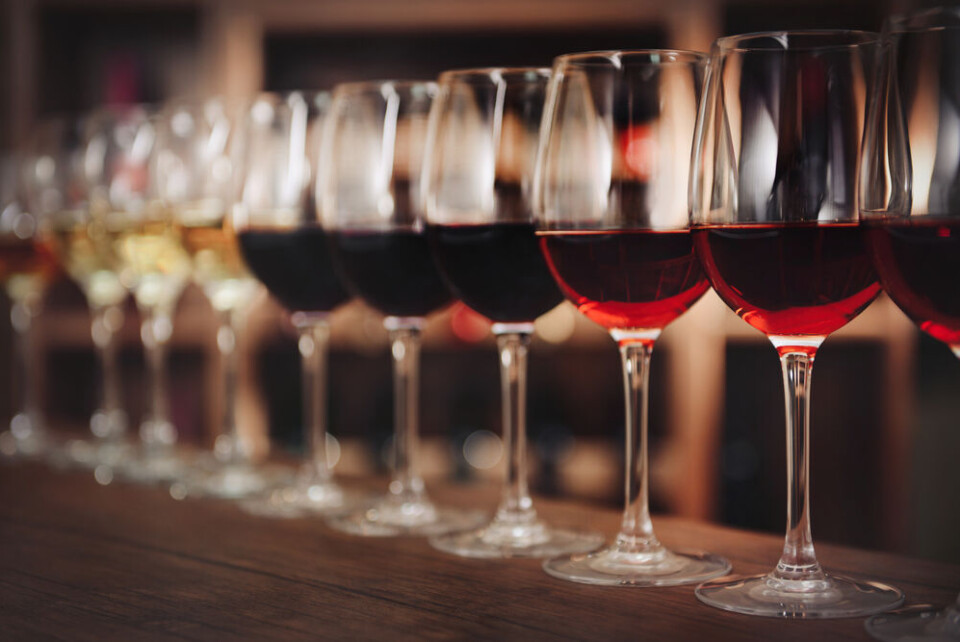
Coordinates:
510	189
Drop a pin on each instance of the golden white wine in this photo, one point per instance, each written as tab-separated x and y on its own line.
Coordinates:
217	264
153	262
26	264
87	252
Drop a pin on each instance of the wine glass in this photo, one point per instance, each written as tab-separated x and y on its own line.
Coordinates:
285	247
196	181
369	196
57	188
120	160
910	205
477	183
773	201
26	265
612	213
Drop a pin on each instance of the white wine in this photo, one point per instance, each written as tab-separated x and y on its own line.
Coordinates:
154	263
87	252
218	267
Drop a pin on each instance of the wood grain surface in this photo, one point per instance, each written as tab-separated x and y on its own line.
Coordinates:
80	561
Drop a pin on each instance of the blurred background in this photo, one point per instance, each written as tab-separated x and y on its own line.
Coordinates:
885	400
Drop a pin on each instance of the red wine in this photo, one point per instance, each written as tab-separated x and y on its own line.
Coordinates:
796	279
496	269
295	266
393	271
630	279
918	263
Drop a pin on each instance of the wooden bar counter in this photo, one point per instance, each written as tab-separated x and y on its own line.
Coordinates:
80	561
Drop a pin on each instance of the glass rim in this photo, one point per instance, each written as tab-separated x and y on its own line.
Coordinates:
278	97
855	38
354	87
615	57
491	73
914	22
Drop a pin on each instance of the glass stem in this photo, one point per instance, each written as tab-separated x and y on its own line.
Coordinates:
157	432
636	531
798	562
108	421
314	339
406	486
229	444
26	422
516	506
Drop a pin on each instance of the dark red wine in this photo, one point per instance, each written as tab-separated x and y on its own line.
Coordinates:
295	266
497	269
393	271
795	279
918	263
636	279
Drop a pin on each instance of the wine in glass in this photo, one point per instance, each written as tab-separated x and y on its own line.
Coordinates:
478	174
286	248
196	180
774	204
57	185
369	197
612	212
27	264
121	160
910	206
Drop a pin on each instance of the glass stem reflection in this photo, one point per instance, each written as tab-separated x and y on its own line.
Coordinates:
230	447
25	424
636	531
406	487
109	421
157	432
516	506
314	330
798	562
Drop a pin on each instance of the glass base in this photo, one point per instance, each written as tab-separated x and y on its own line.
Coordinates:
228	481
916	624
91	453
295	502
391	518
500	539
155	468
24	439
614	566
835	596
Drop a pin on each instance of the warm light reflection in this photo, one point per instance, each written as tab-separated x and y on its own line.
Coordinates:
922	124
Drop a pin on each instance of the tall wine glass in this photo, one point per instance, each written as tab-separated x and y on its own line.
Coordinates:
368	192
612	211
58	186
773	198
285	247
910	204
478	181
26	265
121	160
196	181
